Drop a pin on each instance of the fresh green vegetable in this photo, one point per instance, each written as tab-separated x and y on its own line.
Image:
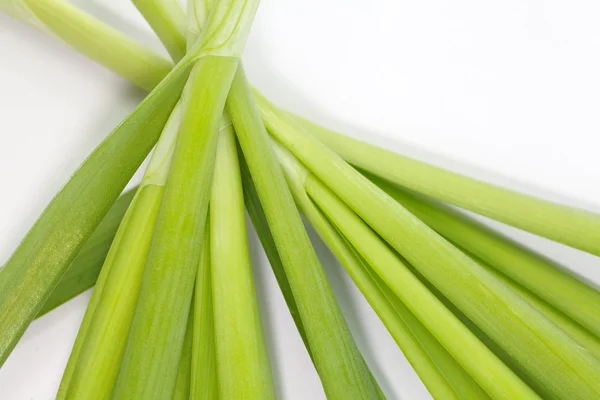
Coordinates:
93	38
96	357
53	242
168	20
155	342
480	362
84	270
341	368
571	226
517	327
243	369
441	374
551	282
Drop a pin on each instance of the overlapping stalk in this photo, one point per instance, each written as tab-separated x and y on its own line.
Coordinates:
84	270
554	284
53	242
356	219
341	368
440	373
94	363
334	359
526	335
574	227
156	337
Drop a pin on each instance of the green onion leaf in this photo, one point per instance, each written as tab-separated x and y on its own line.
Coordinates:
571	226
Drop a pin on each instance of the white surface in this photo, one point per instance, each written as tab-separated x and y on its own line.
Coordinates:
508	88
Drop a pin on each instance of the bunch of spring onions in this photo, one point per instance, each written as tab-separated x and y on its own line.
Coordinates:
174	313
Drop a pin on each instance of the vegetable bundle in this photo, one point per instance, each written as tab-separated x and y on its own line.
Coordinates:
174	312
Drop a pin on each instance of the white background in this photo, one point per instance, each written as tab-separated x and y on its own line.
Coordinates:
506	91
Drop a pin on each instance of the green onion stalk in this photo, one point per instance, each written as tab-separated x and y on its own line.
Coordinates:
439	372
526	335
94	363
413	172
335	355
152	356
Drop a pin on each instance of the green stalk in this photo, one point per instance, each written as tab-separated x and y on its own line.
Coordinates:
574	227
261	226
341	368
568	225
493	376
547	353
581	335
96	356
243	369
204	368
84	270
51	245
323	133
168	20
184	371
439	372
93	38
155	341
552	283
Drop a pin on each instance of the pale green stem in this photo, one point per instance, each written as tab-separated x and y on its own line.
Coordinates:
93	38
204	368
568	225
149	368
577	228
440	373
341	368
243	369
552	283
493	376
584	337
167	18
521	330
155	342
96	356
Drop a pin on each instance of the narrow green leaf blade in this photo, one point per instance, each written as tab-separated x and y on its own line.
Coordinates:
84	270
53	242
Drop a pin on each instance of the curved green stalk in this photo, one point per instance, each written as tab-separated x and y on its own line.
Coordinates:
548	354
568	225
552	283
53	242
93	38
439	372
243	369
